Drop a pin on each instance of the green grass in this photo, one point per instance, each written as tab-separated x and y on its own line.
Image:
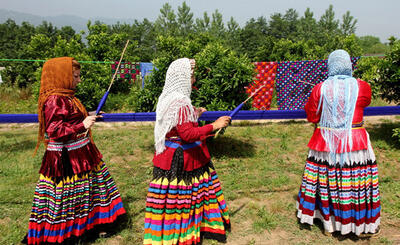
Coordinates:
260	166
16	100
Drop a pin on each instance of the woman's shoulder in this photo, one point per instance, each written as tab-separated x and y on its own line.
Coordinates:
57	100
362	83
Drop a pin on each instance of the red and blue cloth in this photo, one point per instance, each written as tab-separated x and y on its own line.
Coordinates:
295	80
266	72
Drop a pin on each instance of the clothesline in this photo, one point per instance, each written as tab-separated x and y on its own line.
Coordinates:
207	116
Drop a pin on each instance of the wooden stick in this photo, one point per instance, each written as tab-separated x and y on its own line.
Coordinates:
306	82
255	92
119	63
115	73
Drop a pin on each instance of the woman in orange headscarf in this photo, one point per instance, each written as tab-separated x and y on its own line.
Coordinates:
75	191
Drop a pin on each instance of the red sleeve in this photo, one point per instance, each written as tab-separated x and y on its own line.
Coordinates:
364	94
188	132
56	112
312	105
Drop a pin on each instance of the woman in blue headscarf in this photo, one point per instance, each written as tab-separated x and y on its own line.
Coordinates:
340	181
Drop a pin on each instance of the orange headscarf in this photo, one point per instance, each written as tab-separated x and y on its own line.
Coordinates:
56	80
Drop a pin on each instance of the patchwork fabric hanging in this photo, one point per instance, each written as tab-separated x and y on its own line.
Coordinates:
266	72
127	70
296	79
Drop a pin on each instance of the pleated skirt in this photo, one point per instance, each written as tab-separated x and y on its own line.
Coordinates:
68	207
345	198
185	207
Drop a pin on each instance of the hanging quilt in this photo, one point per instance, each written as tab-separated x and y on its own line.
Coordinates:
296	79
127	70
266	72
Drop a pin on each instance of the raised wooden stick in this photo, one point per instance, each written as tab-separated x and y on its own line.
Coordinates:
236	110
104	98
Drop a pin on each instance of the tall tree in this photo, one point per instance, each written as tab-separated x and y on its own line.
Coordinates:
291	18
277	26
348	25
166	21
233	34
233	26
327	22
307	26
203	25
217	25
252	35
185	19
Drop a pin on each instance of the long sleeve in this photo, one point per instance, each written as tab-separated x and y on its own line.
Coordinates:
311	107
59	126
190	133
364	97
64	124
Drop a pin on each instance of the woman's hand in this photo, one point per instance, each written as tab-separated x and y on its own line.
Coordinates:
221	122
93	113
199	111
89	121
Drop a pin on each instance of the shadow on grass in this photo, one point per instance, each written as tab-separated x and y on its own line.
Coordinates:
384	132
230	147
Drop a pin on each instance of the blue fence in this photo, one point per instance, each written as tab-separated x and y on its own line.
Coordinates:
207	116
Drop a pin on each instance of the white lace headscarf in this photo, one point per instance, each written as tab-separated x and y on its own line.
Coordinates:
338	100
174	106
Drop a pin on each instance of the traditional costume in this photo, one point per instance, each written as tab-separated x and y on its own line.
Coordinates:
340	181
185	201
75	191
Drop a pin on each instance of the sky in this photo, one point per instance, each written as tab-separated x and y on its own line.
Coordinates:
377	18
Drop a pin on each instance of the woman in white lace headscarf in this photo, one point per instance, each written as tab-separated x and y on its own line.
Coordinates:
185	200
340	181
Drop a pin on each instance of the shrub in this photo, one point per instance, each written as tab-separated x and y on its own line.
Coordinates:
389	80
368	70
221	74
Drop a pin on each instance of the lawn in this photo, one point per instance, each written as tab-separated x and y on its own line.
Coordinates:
260	165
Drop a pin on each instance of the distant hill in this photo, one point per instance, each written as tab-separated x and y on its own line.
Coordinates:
77	23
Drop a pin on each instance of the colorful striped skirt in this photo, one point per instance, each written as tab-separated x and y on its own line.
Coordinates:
345	198
68	207
184	207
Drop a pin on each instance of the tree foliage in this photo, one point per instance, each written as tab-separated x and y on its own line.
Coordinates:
174	34
389	79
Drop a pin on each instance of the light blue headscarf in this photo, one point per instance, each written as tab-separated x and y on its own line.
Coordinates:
338	100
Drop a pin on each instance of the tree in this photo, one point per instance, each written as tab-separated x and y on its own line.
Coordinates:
372	45
166	21
348	25
203	25
217	25
232	34
185	19
307	26
389	80
67	32
251	36
291	18
277	26
221	74
327	22
233	26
